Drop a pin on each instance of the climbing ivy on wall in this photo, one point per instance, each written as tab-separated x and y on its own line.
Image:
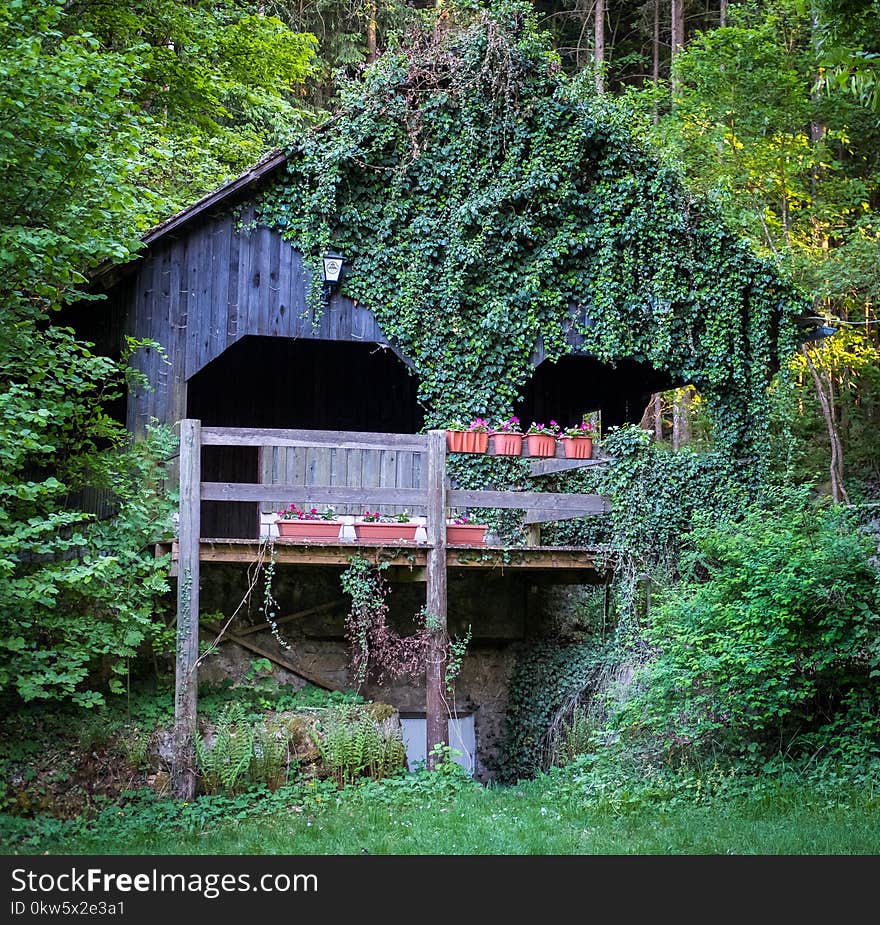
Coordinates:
546	673
656	498
486	203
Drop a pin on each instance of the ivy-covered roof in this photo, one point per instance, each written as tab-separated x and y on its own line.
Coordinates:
488	207
485	202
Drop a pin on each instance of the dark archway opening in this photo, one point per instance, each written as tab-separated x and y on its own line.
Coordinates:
281	382
565	390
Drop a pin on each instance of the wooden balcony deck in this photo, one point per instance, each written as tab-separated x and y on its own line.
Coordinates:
582	564
429	562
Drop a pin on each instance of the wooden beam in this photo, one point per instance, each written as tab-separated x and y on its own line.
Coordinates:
552	466
183	771
340	440
250	491
274	657
299	615
436	714
543	502
516	558
521	559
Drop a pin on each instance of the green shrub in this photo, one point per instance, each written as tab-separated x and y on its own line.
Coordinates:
771	646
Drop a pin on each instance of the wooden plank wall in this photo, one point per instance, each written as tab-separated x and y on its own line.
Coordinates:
336	467
199	293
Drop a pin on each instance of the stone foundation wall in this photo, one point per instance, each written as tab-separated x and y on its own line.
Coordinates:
495	607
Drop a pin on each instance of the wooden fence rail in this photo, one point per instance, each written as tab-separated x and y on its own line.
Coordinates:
434	498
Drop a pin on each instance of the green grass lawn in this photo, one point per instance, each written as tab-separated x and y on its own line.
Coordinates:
527	819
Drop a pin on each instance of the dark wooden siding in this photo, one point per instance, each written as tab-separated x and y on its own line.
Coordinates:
198	294
317	385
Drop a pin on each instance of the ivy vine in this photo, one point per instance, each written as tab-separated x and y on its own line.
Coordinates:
377	648
487	203
546	673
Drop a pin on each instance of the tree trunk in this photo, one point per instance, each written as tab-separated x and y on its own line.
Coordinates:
677	28
825	393
655	73
652	416
722	14
676	34
371	33
681	423
818	128
599	45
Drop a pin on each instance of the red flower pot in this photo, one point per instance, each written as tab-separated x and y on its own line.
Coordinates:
507	444
309	529
577	447
467	441
387	533
466	534
541	445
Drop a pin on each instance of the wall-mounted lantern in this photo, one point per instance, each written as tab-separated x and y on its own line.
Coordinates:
331	272
820	332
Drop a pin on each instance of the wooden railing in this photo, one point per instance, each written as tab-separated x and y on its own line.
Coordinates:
541	507
434	497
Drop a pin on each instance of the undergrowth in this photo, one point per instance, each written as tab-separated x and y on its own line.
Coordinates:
594	805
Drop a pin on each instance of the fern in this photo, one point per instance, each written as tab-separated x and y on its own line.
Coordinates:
353	745
242	754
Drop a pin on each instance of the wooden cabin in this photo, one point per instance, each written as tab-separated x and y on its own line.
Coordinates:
226	300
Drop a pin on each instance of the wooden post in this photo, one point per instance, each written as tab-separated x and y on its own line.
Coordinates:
183	772
436	712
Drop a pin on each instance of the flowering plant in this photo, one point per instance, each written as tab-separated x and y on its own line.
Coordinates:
462	521
510	426
373	517
294	513
477	425
401	518
548	430
584	429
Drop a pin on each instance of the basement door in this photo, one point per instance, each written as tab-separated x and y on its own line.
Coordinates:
461	737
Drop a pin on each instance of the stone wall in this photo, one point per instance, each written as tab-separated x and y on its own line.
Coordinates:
496	607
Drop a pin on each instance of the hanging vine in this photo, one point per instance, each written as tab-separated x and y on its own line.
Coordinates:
376	648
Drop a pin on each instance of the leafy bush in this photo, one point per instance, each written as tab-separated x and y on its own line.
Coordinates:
773	641
79	596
